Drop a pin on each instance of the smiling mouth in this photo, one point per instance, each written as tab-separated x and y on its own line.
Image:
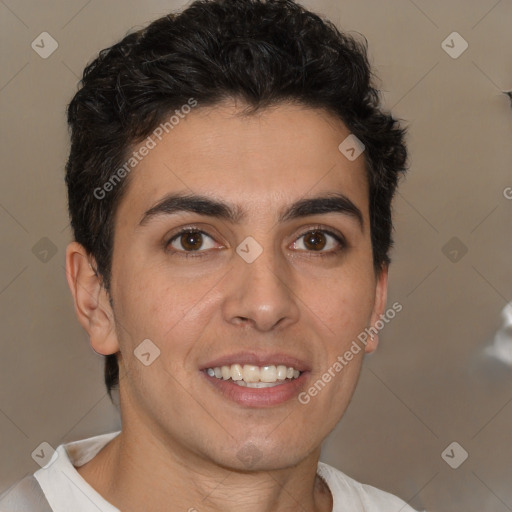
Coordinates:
252	376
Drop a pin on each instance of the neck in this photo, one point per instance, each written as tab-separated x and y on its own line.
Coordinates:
136	471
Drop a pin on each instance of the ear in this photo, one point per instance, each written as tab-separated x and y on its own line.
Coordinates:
381	293
92	304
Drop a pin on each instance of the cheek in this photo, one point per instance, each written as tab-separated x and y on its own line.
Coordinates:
140	313
153	308
171	311
343	303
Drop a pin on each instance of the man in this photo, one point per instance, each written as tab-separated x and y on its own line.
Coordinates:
230	182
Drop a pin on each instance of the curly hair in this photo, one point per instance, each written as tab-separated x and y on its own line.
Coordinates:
264	52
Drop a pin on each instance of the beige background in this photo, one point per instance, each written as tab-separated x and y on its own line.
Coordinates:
430	382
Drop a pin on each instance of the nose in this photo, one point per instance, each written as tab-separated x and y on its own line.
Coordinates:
261	293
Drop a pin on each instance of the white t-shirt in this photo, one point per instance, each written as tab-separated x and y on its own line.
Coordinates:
60	488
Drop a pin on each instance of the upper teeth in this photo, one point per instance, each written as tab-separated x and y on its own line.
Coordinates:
251	373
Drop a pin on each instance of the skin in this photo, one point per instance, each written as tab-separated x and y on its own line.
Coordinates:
181	437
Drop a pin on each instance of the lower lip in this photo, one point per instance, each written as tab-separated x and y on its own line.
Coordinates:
258	397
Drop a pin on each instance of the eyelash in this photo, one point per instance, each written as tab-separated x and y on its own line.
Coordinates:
200	254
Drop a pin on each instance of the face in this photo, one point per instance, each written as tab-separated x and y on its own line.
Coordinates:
253	283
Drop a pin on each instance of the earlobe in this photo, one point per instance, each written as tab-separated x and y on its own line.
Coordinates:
381	292
92	304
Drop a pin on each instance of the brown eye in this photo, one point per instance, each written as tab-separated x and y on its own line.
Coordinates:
191	240
315	240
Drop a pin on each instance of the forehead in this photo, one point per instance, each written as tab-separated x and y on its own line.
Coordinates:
259	161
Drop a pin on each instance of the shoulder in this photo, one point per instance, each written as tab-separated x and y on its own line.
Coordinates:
348	492
58	485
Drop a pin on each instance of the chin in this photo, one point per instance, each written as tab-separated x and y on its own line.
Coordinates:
254	456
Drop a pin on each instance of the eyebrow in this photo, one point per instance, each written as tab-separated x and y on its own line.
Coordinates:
202	205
